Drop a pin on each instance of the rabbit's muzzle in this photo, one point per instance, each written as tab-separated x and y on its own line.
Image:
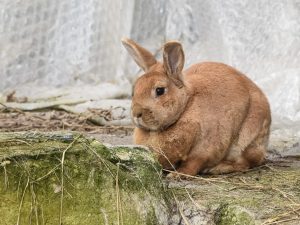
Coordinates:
144	118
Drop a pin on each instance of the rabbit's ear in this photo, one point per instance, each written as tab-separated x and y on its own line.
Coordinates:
140	55
173	60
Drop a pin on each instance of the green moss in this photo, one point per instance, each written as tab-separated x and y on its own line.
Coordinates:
101	185
233	215
151	217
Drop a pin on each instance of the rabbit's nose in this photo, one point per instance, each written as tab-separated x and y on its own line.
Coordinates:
137	111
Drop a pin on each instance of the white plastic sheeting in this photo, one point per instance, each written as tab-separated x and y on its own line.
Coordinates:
72	45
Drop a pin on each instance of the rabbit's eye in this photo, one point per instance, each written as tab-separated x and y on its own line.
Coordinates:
159	91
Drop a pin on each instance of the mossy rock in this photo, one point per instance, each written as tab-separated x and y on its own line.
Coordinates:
233	215
70	179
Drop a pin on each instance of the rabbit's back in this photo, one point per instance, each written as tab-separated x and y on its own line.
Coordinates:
223	85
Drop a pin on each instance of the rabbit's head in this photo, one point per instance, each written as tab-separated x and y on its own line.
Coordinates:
159	95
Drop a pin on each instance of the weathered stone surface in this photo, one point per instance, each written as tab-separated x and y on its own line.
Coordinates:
69	179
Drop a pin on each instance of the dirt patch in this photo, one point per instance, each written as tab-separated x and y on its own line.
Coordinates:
55	120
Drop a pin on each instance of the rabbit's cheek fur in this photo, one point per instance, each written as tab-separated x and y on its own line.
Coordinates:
149	120
168	110
169	113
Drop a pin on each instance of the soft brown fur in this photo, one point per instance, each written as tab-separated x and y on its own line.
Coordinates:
211	118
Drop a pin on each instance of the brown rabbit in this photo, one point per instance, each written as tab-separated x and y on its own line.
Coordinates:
209	118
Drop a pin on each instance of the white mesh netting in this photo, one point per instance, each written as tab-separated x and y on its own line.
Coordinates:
73	47
55	43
